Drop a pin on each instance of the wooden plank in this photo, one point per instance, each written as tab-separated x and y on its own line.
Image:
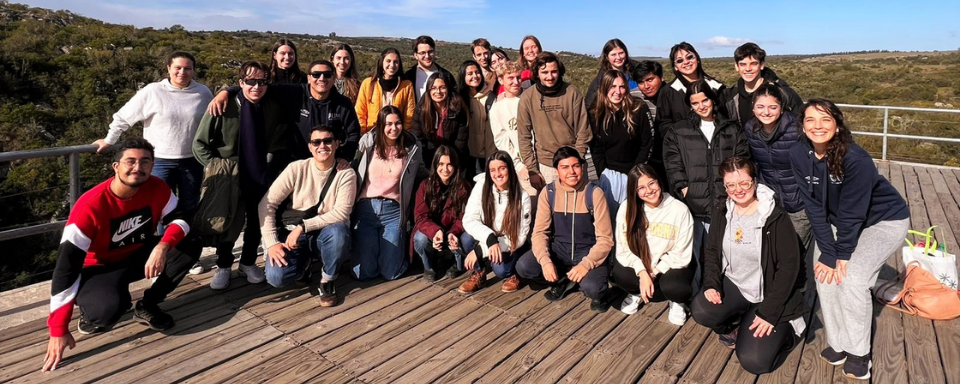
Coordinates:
675	358
89	347
639	352
359	336
657	377
225	373
303	314
261	357
568	354
386	349
115	356
484	348
708	364
334	376
734	373
527	357
390	369
923	358
307	369
788	370
196	357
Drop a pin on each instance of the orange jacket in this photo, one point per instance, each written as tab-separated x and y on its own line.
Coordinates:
369	103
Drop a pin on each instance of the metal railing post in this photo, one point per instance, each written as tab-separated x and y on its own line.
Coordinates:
886	122
74	177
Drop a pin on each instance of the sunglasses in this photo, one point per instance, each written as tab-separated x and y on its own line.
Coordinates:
326	141
256	82
320	74
689	57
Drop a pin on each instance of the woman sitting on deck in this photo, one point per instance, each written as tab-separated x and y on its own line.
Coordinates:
752	276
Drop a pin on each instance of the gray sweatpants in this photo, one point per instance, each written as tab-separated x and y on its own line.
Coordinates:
847	307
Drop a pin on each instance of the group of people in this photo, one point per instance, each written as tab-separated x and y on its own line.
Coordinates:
721	200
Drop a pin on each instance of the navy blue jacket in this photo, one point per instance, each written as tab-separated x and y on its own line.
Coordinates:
861	198
772	157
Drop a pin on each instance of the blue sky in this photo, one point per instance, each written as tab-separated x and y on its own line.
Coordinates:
715	28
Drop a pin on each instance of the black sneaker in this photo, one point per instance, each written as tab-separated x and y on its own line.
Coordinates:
857	367
599	306
558	291
453	272
430	275
832	357
328	294
152	316
729	340
87	328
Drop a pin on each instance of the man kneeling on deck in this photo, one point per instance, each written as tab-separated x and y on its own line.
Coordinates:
110	241
572	234
305	216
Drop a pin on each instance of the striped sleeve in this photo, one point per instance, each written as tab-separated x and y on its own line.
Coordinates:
66	278
177	227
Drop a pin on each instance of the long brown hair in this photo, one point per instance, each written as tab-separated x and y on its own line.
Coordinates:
513	216
351	79
838	145
636	216
521	61
294	75
605	61
605	112
380	137
457	201
429	113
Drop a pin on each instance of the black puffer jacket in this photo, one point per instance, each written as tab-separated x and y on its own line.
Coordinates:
693	162
772	156
673	105
731	97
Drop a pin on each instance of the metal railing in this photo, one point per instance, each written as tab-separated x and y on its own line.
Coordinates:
886	124
73	155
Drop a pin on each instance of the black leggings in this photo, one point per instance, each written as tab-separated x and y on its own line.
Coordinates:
756	355
676	285
104	294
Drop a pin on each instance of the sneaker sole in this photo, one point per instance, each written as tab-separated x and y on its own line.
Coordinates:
864	377
834	363
147	323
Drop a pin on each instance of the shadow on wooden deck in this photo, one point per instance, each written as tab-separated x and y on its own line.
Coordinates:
411	331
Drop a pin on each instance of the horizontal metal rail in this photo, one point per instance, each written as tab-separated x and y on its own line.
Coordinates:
886	124
73	154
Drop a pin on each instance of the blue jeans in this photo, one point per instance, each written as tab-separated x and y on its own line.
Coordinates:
614	186
184	177
378	240
423	245
504	269
330	245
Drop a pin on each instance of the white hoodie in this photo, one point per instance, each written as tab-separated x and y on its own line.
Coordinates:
669	236
170	117
473	216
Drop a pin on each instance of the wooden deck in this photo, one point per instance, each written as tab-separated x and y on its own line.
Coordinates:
411	331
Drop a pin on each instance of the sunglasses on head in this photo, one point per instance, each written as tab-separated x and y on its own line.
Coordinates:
256	82
689	57
318	74
325	141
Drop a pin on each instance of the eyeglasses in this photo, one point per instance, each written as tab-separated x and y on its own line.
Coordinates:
132	162
325	141
744	185
319	74
427	53
650	186
689	57
256	82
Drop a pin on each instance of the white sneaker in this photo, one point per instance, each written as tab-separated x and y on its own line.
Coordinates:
677	315
196	269
221	279
631	304
254	273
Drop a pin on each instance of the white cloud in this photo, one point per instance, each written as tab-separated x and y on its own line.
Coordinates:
725	42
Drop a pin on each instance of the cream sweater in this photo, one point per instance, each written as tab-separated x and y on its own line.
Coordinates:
669	236
304	181
170	117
